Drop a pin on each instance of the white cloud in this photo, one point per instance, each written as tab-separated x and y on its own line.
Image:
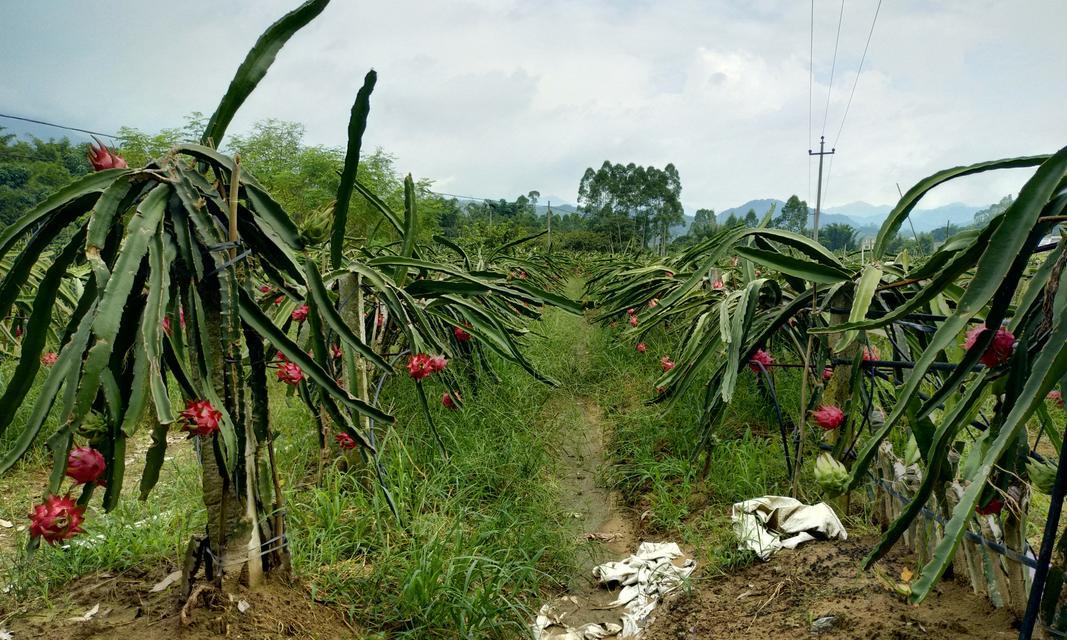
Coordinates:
496	98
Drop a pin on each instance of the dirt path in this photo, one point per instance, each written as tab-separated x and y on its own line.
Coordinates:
818	591
599	513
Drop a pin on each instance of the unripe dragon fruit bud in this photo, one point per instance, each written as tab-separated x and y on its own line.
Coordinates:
911	452
49	358
633	321
1042	475
998	351
85	464
831	475
666	363
828	417
827	373
56	519
870	353
1056	396
335	351
100	157
461	334
300	313
641	347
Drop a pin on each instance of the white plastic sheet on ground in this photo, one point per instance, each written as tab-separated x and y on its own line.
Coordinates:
643	579
770	523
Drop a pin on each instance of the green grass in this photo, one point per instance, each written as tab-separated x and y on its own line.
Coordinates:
476	548
482	537
656	466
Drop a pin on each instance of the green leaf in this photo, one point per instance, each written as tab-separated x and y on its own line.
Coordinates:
861	302
380	205
255	318
142	227
82	193
1049	367
23	377
911	198
255	66
806	269
357	124
324	307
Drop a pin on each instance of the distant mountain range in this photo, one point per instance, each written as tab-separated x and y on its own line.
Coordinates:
864	216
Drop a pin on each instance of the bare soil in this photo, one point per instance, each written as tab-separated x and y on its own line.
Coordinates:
819	591
125	607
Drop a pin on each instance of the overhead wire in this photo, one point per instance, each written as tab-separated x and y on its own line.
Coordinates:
59	126
833	67
811	85
852	93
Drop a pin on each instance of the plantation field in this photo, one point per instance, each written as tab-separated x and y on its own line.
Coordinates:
254	386
539	470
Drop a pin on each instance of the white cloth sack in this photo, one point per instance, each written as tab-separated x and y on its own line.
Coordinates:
644	577
770	523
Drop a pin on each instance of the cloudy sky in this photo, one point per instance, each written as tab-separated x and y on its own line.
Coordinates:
497	97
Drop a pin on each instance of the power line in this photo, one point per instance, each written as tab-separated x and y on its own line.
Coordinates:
833	67
858	71
811	84
453	195
58	126
855	81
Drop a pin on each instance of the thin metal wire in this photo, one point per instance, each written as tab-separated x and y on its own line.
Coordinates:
833	67
58	126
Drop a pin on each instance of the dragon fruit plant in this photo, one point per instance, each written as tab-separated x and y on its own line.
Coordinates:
181	235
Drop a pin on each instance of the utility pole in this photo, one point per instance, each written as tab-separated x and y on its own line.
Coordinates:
818	191
549	214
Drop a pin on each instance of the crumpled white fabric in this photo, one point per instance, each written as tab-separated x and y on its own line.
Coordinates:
770	523
645	577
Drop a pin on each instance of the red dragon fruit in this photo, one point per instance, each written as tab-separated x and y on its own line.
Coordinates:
290	373
85	464
641	347
202	418
633	321
438	363
419	366
300	313
56	519
265	288
761	357
870	353
461	334
827	373
449	401
828	417
998	351
345	441
666	363
993	507
49	358
1056	397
